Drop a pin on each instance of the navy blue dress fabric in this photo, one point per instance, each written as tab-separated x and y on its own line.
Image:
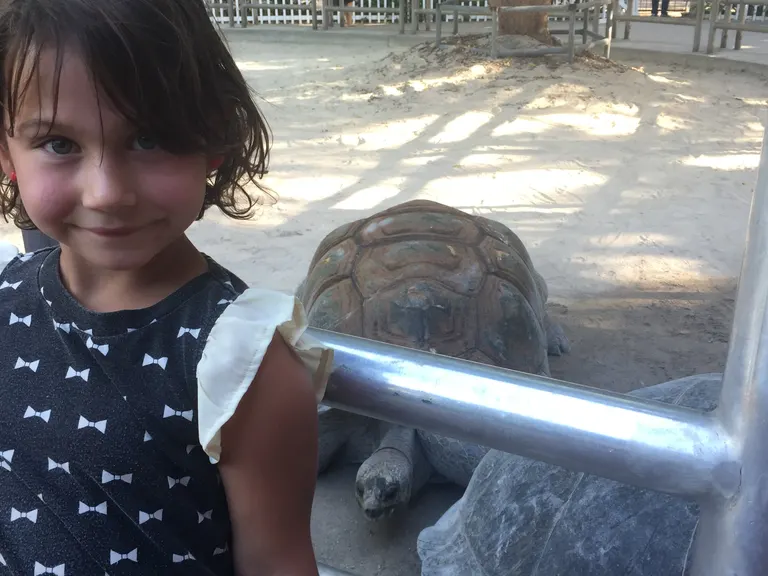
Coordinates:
101	469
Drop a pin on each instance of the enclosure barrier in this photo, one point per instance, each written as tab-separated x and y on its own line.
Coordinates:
328	12
569	10
245	6
717	458
725	25
698	23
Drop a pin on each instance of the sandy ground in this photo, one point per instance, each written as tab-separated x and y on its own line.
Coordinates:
629	184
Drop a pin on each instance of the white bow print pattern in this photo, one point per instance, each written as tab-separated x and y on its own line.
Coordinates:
6	457
103	348
89	331
2	561
144	517
115	557
218	551
224	301
63	327
21	363
194	332
5	285
204	516
20	320
31	413
100	508
72	373
106	477
31	515
101	425
52	465
169	412
57	570
147	437
149	361
177	558
173	481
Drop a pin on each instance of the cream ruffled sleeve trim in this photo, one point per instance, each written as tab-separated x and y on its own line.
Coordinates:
234	351
7	253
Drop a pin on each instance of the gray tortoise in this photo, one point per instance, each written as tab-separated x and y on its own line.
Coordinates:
521	517
430	277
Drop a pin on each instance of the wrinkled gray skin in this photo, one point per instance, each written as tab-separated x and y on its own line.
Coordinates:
520	517
397	462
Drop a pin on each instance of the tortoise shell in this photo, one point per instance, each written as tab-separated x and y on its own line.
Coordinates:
431	277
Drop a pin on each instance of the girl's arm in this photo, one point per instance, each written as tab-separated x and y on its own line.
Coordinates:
269	468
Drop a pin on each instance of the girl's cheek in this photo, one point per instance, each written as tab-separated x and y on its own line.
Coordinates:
47	197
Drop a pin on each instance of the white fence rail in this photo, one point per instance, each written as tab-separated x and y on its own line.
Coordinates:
302	15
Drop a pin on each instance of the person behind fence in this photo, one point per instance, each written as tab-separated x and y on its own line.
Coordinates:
664	7
157	415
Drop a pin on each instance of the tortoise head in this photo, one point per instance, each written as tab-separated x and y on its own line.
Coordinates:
383	483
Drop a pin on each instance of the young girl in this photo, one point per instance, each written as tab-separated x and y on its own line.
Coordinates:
156	415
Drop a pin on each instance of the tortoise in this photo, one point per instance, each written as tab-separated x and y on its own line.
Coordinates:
431	277
521	517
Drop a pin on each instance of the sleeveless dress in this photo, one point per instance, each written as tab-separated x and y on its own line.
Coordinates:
109	422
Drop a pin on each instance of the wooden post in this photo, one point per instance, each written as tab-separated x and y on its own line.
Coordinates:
724	31
713	14
571	32
630	12
743	20
699	25
610	9
494	32
438	23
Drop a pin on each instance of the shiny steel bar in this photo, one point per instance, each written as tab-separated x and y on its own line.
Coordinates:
648	444
732	536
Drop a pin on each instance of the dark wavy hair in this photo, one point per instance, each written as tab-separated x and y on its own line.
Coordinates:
167	70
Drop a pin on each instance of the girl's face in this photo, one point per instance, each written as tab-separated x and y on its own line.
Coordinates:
108	194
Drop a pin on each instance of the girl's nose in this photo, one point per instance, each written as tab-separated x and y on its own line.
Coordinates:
108	185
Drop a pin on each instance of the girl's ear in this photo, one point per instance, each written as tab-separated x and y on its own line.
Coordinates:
5	159
214	163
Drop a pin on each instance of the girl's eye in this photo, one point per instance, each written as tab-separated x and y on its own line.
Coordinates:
144	143
59	146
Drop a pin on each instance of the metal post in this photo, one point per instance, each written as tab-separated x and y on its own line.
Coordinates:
313	10
456	23
732	533
438	23
401	15
585	24
649	444
699	25
415	15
